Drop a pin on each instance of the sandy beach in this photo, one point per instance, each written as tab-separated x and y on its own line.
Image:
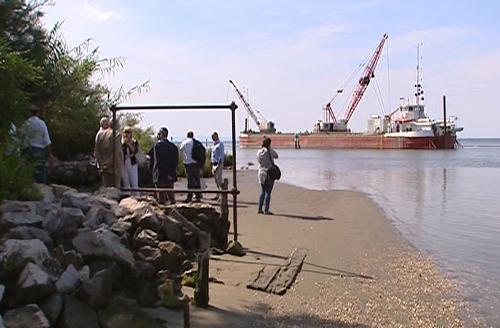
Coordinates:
359	271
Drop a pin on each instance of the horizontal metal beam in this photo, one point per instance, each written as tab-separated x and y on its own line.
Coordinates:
203	191
231	106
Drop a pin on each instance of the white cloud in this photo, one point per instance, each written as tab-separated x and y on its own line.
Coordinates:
99	14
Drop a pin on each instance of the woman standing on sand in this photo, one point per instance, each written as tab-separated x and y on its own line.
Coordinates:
130	148
265	157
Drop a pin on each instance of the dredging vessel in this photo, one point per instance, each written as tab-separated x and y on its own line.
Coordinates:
407	127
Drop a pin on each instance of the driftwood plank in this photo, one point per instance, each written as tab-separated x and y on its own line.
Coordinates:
277	280
287	274
264	278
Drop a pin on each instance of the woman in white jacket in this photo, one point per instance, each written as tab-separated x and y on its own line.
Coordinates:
265	157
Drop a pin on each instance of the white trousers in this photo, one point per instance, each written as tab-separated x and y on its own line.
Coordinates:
130	175
217	172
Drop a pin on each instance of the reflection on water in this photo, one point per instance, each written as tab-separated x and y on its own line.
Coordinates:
444	202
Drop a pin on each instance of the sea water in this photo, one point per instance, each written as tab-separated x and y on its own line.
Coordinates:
445	202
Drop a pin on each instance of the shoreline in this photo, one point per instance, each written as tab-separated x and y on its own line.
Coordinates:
360	271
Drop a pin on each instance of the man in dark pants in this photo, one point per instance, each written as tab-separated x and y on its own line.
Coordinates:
37	144
164	157
192	168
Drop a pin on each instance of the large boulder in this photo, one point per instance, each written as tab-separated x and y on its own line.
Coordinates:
136	207
169	293
68	257
146	237
59	190
96	291
72	218
98	215
17	253
47	192
52	307
69	280
17	206
10	220
26	233
121	227
77	314
63	221
125	313
71	198
109	193
27	316
33	285
172	256
151	255
103	244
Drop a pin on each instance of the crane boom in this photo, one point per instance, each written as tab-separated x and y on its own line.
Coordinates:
364	80
247	105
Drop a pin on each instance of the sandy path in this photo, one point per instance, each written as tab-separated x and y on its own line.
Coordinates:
359	271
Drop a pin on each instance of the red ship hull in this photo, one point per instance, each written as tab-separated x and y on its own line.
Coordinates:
348	141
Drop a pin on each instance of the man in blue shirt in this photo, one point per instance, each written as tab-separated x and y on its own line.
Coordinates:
217	160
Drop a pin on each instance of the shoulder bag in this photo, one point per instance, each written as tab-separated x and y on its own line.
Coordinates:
274	171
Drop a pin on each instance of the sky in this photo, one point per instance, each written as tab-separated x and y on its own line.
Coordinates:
290	57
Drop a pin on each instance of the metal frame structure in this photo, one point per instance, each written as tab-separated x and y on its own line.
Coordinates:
234	191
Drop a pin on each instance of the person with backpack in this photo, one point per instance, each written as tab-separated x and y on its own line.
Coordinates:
265	157
164	157
193	155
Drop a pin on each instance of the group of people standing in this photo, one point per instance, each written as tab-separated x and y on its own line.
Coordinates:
122	170
164	159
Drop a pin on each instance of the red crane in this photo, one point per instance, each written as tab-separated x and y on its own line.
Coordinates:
363	82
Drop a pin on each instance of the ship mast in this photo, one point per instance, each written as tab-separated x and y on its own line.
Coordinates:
419	92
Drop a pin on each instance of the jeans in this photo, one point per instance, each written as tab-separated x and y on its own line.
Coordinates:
193	176
265	194
38	156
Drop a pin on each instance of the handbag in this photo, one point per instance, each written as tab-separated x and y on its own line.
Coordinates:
274	172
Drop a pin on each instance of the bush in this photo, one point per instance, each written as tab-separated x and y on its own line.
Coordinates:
228	160
16	176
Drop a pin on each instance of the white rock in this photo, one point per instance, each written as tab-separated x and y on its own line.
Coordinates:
17	253
26	316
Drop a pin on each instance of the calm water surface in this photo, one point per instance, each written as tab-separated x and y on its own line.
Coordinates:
446	203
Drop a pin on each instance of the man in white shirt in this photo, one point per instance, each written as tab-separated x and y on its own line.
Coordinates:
37	144
192	169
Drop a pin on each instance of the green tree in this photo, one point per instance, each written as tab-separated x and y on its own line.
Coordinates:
15	173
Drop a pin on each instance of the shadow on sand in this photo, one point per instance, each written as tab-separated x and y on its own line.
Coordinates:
258	315
308	266
304	217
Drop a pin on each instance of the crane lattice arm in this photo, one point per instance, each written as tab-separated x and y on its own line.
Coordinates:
368	74
247	105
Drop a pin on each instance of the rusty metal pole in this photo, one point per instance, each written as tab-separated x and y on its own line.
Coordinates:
444	117
235	188
113	109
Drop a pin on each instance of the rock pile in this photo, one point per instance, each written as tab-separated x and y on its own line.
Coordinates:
82	260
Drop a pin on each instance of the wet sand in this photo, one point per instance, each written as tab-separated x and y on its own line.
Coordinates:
359	271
